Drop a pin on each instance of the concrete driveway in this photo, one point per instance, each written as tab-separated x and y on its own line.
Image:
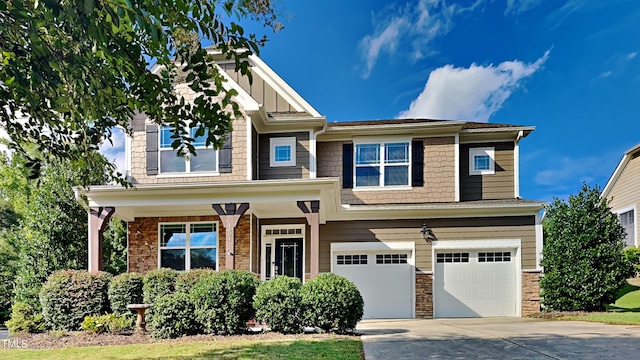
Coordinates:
497	338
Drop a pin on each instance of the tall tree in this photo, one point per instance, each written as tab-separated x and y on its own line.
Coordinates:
582	254
51	231
71	70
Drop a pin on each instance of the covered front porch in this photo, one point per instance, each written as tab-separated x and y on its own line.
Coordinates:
266	227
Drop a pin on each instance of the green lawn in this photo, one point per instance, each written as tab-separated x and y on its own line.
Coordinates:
625	310
346	349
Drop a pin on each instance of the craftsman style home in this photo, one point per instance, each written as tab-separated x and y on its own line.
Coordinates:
424	216
623	191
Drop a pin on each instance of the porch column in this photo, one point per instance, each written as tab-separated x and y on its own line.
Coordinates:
229	216
98	220
313	219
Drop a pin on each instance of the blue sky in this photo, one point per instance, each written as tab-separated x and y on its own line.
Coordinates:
571	68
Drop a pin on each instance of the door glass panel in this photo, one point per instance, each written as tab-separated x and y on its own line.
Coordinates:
267	261
289	260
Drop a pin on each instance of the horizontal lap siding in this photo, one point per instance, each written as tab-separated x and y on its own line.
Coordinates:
626	191
485	187
521	227
300	171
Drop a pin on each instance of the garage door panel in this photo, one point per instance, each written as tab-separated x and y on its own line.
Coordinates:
473	288
385	288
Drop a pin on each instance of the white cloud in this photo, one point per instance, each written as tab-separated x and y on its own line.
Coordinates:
415	26
516	7
605	74
617	64
115	152
474	93
632	55
558	16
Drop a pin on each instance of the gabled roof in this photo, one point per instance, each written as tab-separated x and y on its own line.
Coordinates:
628	155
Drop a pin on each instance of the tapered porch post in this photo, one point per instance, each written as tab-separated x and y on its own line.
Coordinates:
313	219
98	220
230	216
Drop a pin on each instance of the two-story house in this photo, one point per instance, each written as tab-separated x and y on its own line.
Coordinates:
424	216
623	191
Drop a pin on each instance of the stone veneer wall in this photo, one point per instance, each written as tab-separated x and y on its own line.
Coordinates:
144	242
439	174
530	293
424	296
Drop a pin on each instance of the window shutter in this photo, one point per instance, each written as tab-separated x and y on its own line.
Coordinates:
225	156
152	149
347	166
417	167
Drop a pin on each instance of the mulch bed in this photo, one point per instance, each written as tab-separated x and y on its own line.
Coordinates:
557	314
81	338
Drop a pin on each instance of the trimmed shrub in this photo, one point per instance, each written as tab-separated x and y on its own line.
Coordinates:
186	280
111	323
173	316
332	303
69	295
125	289
632	256
158	283
279	304
24	319
223	301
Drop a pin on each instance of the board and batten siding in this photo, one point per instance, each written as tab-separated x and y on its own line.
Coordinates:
260	90
625	193
299	171
486	228
499	185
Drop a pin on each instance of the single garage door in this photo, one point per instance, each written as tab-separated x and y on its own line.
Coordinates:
384	280
475	283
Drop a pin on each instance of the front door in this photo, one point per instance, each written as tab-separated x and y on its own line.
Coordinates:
288	257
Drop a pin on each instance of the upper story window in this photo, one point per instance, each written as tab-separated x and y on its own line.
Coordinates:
188	246
382	164
481	161
205	159
282	151
627	220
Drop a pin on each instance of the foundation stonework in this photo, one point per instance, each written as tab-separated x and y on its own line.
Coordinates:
530	293
424	296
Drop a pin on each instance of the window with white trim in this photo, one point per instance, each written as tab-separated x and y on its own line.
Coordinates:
282	151
482	161
188	246
627	220
382	164
204	160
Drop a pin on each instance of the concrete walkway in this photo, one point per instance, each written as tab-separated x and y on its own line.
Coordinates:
497	338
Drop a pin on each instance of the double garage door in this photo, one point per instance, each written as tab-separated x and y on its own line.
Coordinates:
466	283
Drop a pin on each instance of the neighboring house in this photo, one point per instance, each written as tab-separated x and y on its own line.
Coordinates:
623	190
293	194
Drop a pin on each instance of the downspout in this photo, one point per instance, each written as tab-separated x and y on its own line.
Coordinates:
516	168
314	151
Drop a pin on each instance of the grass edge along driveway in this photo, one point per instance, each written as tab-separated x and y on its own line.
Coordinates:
341	349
